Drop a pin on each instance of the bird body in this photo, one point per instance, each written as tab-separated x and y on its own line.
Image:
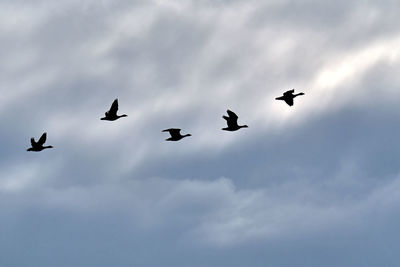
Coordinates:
38	146
288	97
111	115
231	120
175	134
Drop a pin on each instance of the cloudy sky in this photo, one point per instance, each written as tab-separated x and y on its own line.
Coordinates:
316	184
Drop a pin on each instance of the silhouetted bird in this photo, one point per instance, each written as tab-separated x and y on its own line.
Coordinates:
175	134
38	146
288	97
232	122
111	115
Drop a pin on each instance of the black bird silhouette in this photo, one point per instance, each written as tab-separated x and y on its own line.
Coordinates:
38	146
231	120
111	115
288	97
175	134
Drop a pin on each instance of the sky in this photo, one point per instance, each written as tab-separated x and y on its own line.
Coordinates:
316	184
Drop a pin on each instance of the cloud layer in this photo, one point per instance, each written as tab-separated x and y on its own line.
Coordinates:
311	185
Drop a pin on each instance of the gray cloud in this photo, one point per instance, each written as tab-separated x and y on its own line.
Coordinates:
317	182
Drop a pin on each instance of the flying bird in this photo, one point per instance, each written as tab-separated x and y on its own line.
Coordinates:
288	97
111	115
38	146
231	120
175	134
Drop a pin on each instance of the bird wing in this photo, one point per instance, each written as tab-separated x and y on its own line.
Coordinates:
289	101
114	108
232	119
42	139
232	114
33	143
173	131
289	92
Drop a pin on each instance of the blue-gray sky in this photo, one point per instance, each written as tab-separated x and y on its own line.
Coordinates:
316	184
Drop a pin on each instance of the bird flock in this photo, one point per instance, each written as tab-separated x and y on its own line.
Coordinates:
175	133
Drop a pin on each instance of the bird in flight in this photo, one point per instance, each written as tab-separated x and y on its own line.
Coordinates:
38	146
111	115
175	134
288	97
231	120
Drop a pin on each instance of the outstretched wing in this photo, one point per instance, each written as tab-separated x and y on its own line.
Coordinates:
232	119
114	107
42	139
289	101
226	118
173	131
33	143
232	114
289	92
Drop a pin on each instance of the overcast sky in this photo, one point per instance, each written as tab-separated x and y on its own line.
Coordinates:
316	184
